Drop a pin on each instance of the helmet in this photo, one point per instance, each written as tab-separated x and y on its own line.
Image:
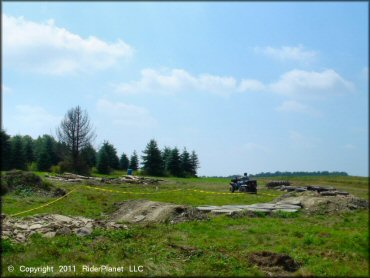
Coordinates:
245	174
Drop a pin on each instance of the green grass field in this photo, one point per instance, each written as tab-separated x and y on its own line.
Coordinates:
335	245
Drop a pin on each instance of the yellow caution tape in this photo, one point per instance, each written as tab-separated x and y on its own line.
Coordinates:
45	205
130	192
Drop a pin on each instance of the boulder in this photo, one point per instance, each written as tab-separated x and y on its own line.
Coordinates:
84	231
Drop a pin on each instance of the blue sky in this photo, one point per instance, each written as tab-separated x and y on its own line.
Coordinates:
250	87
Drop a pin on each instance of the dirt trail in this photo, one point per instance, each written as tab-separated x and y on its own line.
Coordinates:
144	211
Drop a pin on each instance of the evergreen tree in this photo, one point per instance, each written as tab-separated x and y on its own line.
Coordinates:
194	163
28	148
174	164
103	162
124	162
88	155
186	165
134	161
152	159
44	161
6	150
48	142
47	157
107	158
166	154
112	155
18	158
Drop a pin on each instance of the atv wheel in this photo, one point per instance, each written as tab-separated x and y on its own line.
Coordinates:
232	189
243	189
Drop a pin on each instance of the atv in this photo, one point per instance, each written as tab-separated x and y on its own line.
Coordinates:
243	184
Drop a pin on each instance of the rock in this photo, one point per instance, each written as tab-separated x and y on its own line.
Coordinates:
35	226
286	206
300	189
259	210
343	193
61	218
225	211
84	231
49	234
207	208
262	206
139	218
21	226
64	231
20	237
290	201
285	210
328	193
288	188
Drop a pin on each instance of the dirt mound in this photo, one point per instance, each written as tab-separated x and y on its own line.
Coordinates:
51	225
273	263
144	211
25	183
316	203
74	178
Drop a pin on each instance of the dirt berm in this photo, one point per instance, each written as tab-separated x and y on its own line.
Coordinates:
314	203
144	211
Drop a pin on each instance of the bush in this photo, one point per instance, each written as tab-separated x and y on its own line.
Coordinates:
64	166
55	169
3	188
22	180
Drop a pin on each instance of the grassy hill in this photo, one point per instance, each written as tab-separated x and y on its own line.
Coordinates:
323	245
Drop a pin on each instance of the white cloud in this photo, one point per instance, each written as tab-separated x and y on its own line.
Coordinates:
251	85
48	49
33	120
288	53
295	106
179	80
293	84
122	114
311	83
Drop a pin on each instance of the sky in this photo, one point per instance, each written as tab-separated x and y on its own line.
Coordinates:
249	86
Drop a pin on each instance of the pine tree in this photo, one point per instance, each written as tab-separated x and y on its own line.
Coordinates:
107	158
103	162
124	162
194	163
18	158
28	148
47	157
152	159
88	155
44	161
186	165
166	154
174	164
6	150
112	155
134	161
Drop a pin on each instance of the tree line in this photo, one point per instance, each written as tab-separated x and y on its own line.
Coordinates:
300	174
74	152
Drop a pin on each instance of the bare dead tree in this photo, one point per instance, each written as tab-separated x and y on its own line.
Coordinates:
76	132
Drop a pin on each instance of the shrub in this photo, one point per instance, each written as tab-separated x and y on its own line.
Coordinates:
22	180
55	169
3	188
